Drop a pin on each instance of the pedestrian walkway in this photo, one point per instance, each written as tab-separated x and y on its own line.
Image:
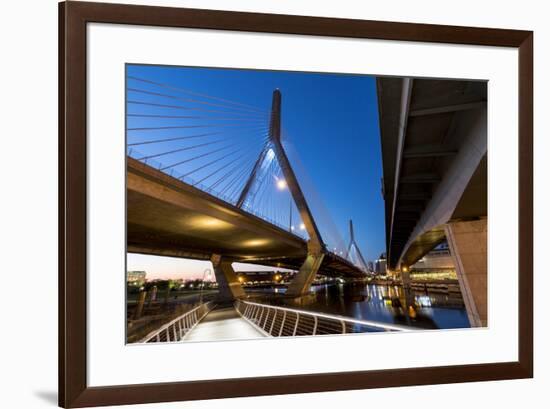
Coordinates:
223	324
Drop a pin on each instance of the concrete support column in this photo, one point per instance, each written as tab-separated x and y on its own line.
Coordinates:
302	281
228	285
468	244
153	296
405	278
140	304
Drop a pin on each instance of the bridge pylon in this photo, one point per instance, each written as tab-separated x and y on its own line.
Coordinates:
302	281
353	244
229	287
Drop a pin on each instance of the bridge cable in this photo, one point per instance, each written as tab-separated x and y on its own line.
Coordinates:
230	172
223	167
187	137
158	128
187	108
185	91
212	162
168	96
213	118
187	148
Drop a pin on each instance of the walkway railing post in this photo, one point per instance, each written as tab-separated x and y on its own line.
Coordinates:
177	329
261	315
316	324
296	325
282	323
273	323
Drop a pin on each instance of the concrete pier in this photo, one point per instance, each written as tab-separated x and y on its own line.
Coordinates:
468	244
229	286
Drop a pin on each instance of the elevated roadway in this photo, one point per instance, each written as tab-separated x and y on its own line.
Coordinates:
167	217
434	154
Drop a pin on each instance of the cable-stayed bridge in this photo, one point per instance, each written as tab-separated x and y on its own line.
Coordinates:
209	178
353	253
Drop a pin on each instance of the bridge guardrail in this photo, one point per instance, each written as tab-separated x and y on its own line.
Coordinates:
281	321
178	328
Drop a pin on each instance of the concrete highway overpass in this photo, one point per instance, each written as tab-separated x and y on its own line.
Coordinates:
167	217
434	154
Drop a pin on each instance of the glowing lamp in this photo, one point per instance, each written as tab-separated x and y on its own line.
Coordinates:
281	184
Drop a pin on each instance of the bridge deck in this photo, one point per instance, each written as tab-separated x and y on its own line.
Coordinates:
223	324
167	217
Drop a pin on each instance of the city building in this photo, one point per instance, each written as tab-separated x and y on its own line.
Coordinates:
370	266
264	277
136	278
380	265
436	264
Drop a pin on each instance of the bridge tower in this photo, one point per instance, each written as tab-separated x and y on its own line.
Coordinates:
302	281
353	244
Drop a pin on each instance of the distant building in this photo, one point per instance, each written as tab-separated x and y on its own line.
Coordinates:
380	265
136	277
438	263
370	266
257	277
438	259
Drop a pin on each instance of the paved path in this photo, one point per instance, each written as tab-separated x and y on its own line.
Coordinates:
223	324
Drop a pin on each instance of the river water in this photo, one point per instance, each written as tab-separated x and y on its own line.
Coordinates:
383	304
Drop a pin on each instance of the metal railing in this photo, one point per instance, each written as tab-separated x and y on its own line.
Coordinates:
178	328
287	322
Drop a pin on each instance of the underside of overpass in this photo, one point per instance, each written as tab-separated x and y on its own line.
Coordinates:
434	154
167	217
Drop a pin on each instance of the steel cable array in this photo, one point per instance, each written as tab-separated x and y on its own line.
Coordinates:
213	146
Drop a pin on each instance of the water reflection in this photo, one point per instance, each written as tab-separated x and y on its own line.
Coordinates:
389	304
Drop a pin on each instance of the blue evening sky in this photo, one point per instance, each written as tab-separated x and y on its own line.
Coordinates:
330	126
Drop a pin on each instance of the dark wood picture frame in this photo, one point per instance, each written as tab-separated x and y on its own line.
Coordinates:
73	388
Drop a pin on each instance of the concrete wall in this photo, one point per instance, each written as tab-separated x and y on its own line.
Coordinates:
468	244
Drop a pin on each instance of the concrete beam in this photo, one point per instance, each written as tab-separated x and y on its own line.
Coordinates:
406	91
413	208
421	178
158	251
427	151
415	196
448	108
422	245
472	127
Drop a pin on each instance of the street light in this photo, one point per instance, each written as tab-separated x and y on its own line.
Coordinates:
282	185
206	272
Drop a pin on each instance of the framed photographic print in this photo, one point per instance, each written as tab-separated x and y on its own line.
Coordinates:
244	195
